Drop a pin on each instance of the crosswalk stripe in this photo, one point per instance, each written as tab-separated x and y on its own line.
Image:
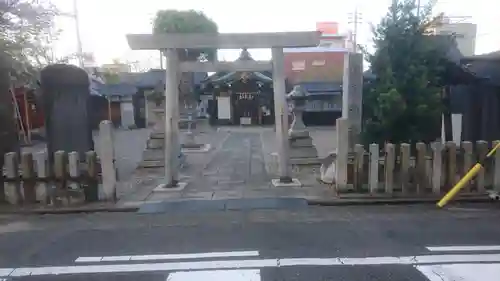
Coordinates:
250	264
462	272
170	256
216	275
464	248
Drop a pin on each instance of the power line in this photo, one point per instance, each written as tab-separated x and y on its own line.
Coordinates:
355	18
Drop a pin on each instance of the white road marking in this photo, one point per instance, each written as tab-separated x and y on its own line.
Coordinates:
464	248
6	271
170	256
461	272
256	263
216	275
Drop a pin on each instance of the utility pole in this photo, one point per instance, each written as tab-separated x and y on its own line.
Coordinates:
78	36
418	8
355	19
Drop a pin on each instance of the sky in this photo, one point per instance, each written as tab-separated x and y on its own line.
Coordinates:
104	23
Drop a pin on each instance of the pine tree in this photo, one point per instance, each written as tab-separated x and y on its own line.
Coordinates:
403	103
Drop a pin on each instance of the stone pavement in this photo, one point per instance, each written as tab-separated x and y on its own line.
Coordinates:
240	165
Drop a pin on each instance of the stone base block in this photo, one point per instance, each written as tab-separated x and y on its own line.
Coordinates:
200	149
278	183
152	163
302	142
298	134
153	155
305	161
155	143
304	152
162	187
157	135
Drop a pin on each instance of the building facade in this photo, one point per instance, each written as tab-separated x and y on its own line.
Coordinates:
464	33
319	70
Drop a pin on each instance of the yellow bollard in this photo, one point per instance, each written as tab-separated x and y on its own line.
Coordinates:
465	179
460	184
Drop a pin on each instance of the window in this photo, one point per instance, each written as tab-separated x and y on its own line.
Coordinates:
299	65
318	62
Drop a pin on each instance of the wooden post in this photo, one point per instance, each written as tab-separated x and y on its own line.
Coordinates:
171	119
437	158
91	184
107	157
281	114
468	161
374	165
390	159
43	190
28	178
482	150
359	158
74	169
12	189
60	160
451	173
342	153
496	171
405	167
421	178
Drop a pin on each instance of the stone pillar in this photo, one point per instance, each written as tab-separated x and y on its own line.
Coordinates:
107	156
352	94
172	147
281	114
341	158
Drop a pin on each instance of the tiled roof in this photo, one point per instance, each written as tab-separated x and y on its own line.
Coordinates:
120	89
321	87
153	77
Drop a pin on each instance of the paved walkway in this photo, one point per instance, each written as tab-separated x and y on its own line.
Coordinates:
235	168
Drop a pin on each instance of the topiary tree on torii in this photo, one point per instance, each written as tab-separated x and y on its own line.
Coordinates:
189	21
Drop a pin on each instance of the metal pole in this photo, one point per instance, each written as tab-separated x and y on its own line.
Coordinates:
161	60
172	147
355	39
78	36
281	113
27	115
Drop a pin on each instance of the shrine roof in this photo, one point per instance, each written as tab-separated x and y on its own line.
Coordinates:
221	77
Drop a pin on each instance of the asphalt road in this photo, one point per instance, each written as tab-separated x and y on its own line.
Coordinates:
321	243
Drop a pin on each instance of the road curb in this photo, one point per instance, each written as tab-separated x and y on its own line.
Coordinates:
74	210
389	201
310	202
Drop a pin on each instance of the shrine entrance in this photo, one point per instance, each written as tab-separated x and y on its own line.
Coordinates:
240	97
171	43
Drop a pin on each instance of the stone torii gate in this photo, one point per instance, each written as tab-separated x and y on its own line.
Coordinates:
170	42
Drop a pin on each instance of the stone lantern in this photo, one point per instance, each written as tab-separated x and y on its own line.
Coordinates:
302	150
297	103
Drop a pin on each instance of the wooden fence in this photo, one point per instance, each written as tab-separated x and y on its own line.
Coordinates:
32	180
405	169
29	179
421	169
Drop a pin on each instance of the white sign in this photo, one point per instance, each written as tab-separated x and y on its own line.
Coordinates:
224	108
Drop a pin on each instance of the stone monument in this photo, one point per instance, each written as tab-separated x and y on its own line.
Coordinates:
302	150
65	96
